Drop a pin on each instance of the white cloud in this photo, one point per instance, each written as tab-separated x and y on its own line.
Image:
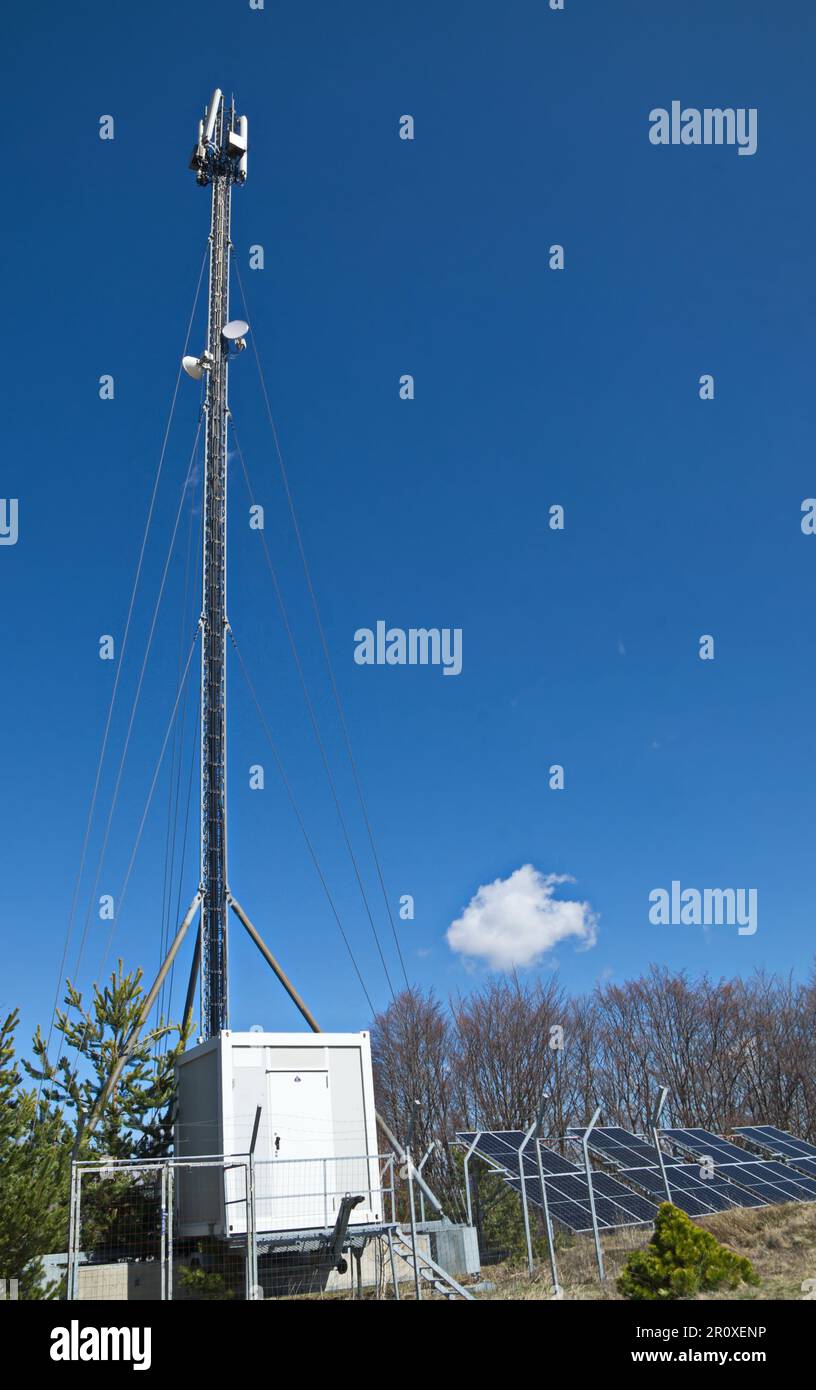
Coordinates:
514	921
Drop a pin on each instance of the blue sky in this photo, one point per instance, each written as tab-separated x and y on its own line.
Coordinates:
533	387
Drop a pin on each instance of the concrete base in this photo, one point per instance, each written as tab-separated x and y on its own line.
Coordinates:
132	1282
455	1248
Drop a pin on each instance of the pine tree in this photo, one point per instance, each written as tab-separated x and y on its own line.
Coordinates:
137	1121
682	1260
35	1153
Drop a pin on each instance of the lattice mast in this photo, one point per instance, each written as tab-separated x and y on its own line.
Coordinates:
220	160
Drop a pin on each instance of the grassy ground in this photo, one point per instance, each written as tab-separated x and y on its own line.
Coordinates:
780	1242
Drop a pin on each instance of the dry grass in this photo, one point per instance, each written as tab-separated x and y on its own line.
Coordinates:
780	1242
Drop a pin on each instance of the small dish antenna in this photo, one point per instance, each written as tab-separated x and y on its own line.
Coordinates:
234	334
197	366
193	367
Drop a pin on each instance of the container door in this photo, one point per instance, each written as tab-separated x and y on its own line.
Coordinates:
293	1182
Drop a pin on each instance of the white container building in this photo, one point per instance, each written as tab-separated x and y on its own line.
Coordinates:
316	1141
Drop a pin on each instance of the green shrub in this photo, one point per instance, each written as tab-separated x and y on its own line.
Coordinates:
682	1260
203	1286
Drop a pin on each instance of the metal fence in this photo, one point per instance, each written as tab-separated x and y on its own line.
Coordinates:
233	1227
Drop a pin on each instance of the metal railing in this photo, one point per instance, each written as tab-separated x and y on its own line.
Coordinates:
230	1227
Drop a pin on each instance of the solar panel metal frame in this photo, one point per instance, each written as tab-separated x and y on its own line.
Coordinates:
615	1204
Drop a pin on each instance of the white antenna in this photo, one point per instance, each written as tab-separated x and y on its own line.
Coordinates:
212	116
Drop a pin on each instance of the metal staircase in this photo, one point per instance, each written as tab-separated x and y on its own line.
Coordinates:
427	1269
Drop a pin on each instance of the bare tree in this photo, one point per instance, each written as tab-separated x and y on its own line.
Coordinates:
730	1052
504	1053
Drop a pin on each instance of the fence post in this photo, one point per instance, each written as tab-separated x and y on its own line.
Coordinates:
547	1221
410	1167
545	1096
588	1171
524	1204
394	1276
163	1237
251	1212
249	1277
654	1125
170	1215
476	1139
78	1231
70	1281
422	1163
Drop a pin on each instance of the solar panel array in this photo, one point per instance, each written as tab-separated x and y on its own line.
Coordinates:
638	1163
566	1185
737	1179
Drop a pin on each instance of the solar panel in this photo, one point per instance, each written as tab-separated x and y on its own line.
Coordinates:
687	1191
568	1185
737	1179
616	1145
772	1180
804	1165
781	1170
694	1194
692	1205
615	1132
501	1138
554	1163
494	1145
628	1210
573	1216
703	1143
610	1214
637	1206
777	1141
609	1185
501	1146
